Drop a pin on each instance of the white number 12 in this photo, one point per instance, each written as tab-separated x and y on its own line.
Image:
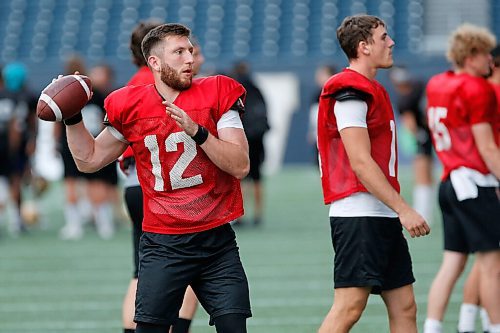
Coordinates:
175	174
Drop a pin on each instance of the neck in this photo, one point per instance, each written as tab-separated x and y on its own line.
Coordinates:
363	68
165	91
466	70
495	77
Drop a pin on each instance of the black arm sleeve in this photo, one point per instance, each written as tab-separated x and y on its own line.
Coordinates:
350	94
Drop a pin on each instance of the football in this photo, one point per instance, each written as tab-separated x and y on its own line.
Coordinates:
64	97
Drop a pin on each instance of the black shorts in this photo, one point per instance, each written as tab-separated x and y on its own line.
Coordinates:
370	252
424	142
108	175
256	155
133	200
70	168
471	225
209	261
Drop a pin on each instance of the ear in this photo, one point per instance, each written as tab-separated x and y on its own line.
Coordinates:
154	63
363	48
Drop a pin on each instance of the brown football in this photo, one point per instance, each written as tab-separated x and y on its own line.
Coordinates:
64	98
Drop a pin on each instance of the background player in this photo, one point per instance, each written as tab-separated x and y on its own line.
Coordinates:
357	146
410	104
462	115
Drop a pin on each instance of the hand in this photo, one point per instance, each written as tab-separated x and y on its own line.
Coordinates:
414	223
181	118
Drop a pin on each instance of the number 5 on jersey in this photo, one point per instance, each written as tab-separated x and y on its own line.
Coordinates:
439	131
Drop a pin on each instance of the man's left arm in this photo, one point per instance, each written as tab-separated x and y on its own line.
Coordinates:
229	152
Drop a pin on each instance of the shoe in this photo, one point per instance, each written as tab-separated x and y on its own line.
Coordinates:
257	221
71	232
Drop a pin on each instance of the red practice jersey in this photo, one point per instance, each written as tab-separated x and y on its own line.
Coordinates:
496	87
184	192
141	77
455	102
337	177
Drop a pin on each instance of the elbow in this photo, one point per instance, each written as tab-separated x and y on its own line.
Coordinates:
243	170
86	167
359	166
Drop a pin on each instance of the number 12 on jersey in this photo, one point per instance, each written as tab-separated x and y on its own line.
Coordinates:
175	174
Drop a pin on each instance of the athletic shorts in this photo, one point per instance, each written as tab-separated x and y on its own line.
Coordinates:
471	225
107	174
424	142
209	261
70	168
370	252
133	200
256	155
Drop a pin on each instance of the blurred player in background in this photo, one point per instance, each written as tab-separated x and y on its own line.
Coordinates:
133	191
322	74
358	159
256	125
18	135
410	104
77	207
462	115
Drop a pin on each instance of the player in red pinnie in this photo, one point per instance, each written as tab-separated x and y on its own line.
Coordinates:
462	115
191	152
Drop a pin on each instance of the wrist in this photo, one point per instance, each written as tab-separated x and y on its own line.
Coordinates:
73	120
200	136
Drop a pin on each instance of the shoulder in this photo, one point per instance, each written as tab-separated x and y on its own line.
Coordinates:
349	80
216	81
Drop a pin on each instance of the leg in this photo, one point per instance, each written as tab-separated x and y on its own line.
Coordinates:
128	307
401	309
423	193
452	266
347	308
470	302
189	305
133	200
489	272
258	204
231	323
187	312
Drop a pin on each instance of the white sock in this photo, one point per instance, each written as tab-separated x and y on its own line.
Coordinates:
467	319
494	328
433	326
485	319
423	201
104	220
15	220
72	215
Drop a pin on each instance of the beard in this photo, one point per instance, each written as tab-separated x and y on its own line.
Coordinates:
172	79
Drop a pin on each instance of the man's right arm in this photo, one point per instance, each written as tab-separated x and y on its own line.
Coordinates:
489	151
92	154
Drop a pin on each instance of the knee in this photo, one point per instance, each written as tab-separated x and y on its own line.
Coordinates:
351	312
406	310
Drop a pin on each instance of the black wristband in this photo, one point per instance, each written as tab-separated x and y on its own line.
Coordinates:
73	120
201	135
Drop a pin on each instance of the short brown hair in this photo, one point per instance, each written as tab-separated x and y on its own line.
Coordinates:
355	29
136	39
157	34
468	40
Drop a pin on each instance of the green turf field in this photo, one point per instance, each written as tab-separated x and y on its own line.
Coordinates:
49	285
